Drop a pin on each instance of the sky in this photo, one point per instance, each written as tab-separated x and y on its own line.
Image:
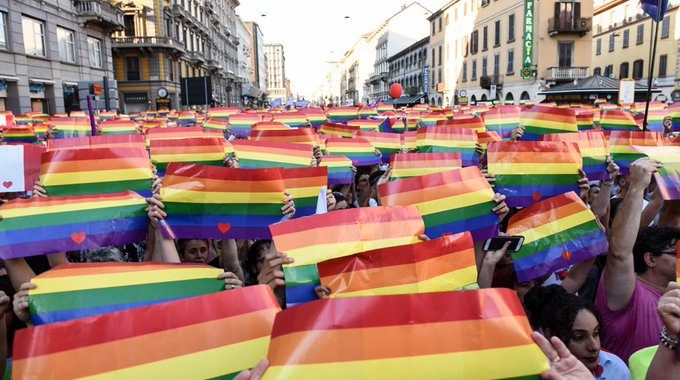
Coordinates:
316	31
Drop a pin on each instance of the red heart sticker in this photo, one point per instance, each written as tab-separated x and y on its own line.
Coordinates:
566	255
79	237
7	184
224	227
537	196
355	162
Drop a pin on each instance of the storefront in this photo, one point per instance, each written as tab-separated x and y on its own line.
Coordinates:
9	95
42	94
135	102
71	97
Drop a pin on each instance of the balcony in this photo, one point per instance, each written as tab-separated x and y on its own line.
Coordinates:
569	25
179	11
374	79
195	57
566	74
486	81
148	44
100	12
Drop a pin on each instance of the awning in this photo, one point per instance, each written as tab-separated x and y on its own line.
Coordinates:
408	99
40	81
70	84
8	78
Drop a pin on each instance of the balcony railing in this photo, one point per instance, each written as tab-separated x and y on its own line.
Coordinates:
566	73
148	42
569	25
486	81
195	57
99	11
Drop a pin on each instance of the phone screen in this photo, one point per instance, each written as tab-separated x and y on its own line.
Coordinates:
498	242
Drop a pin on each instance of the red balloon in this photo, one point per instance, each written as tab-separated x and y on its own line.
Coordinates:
396	90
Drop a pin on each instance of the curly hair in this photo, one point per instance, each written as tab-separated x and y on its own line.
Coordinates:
552	310
653	240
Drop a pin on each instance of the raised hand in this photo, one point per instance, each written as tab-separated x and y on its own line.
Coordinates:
563	365
288	208
231	281
20	303
272	273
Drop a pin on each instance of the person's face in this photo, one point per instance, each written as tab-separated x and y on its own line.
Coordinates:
195	251
364	185
665	263
585	339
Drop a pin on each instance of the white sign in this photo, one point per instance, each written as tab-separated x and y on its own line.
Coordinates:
321	202
12	171
492	92
626	91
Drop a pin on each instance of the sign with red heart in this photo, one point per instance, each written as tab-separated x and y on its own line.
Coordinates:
224	227
78	237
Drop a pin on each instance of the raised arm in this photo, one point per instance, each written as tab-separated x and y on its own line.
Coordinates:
619	270
229	259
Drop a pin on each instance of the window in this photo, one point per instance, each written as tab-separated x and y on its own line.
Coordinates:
94	46
511	62
485	35
440	23
464	71
484	66
132	68
565	51
511	28
623	70
34	36
666	27
598	46
439	75
66	39
638	67
440	55
663	65
433	54
474	42
432	28
497	34
626	38
474	69
612	41
4	31
496	64
608	70
640	34
597	71
129	21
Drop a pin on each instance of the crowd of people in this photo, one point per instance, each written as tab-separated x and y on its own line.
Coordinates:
613	317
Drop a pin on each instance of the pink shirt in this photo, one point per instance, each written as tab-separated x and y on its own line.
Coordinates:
634	327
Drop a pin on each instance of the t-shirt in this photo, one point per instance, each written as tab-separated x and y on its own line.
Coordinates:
640	361
613	368
633	327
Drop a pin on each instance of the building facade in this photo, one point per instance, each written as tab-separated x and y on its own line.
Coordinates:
257	91
622	38
244	70
410	68
510	50
52	53
276	72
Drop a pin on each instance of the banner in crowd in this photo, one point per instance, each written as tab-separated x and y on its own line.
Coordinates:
674	113
558	232
484	138
208	151
342	114
387	143
541	120
68	127
585	119
621	142
447	140
241	124
341	233
38	226
81	290
262	155
305	136
438	265
304	185
20	167
19	134
292	119
188	338
502	120
475	123
96	171
594	151
617	120
416	164
668	175
339	170
527	172
359	150
209	202
367	125
339	130
213	124
178	133
269	126
112	142
411	336
118	127
316	116
450	202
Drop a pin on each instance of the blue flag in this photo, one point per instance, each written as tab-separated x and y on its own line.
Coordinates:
276	103
656	9
375	103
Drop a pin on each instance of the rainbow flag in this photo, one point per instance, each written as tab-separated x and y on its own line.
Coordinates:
81	290
195	151
339	130
558	232
594	151
108	115
242	123
585	119
208	202
484	138
78	114
342	114
114	141
430	119
22	120
468	122
186	119
409	140
438	265
412	122
318	238
655	119
223	112
147	125
220	125
144	342
38	226
269	126
180	133
96	171
292	119
70	127
387	143
527	172
623	154
382	108
617	120
339	170
305	185
407	336
19	134
668	176
502	120
316	116
449	139
260	155
450	202
359	150
541	120
367	125
305	136
674	113
407	165
118	127
367	112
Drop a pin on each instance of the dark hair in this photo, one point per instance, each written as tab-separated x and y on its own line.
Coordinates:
552	310
253	254
182	244
653	240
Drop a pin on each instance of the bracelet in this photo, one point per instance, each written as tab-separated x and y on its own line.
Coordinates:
667	341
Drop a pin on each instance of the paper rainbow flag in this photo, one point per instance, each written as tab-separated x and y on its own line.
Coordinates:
359	150
388	143
447	140
674	113
19	134
70	127
305	136
339	130
118	127
208	151
316	116
115	141
292	119
668	176
617	120
342	114
418	164
502	120
623	154
304	185
261	155
215	124
541	120
339	170
242	123
594	150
